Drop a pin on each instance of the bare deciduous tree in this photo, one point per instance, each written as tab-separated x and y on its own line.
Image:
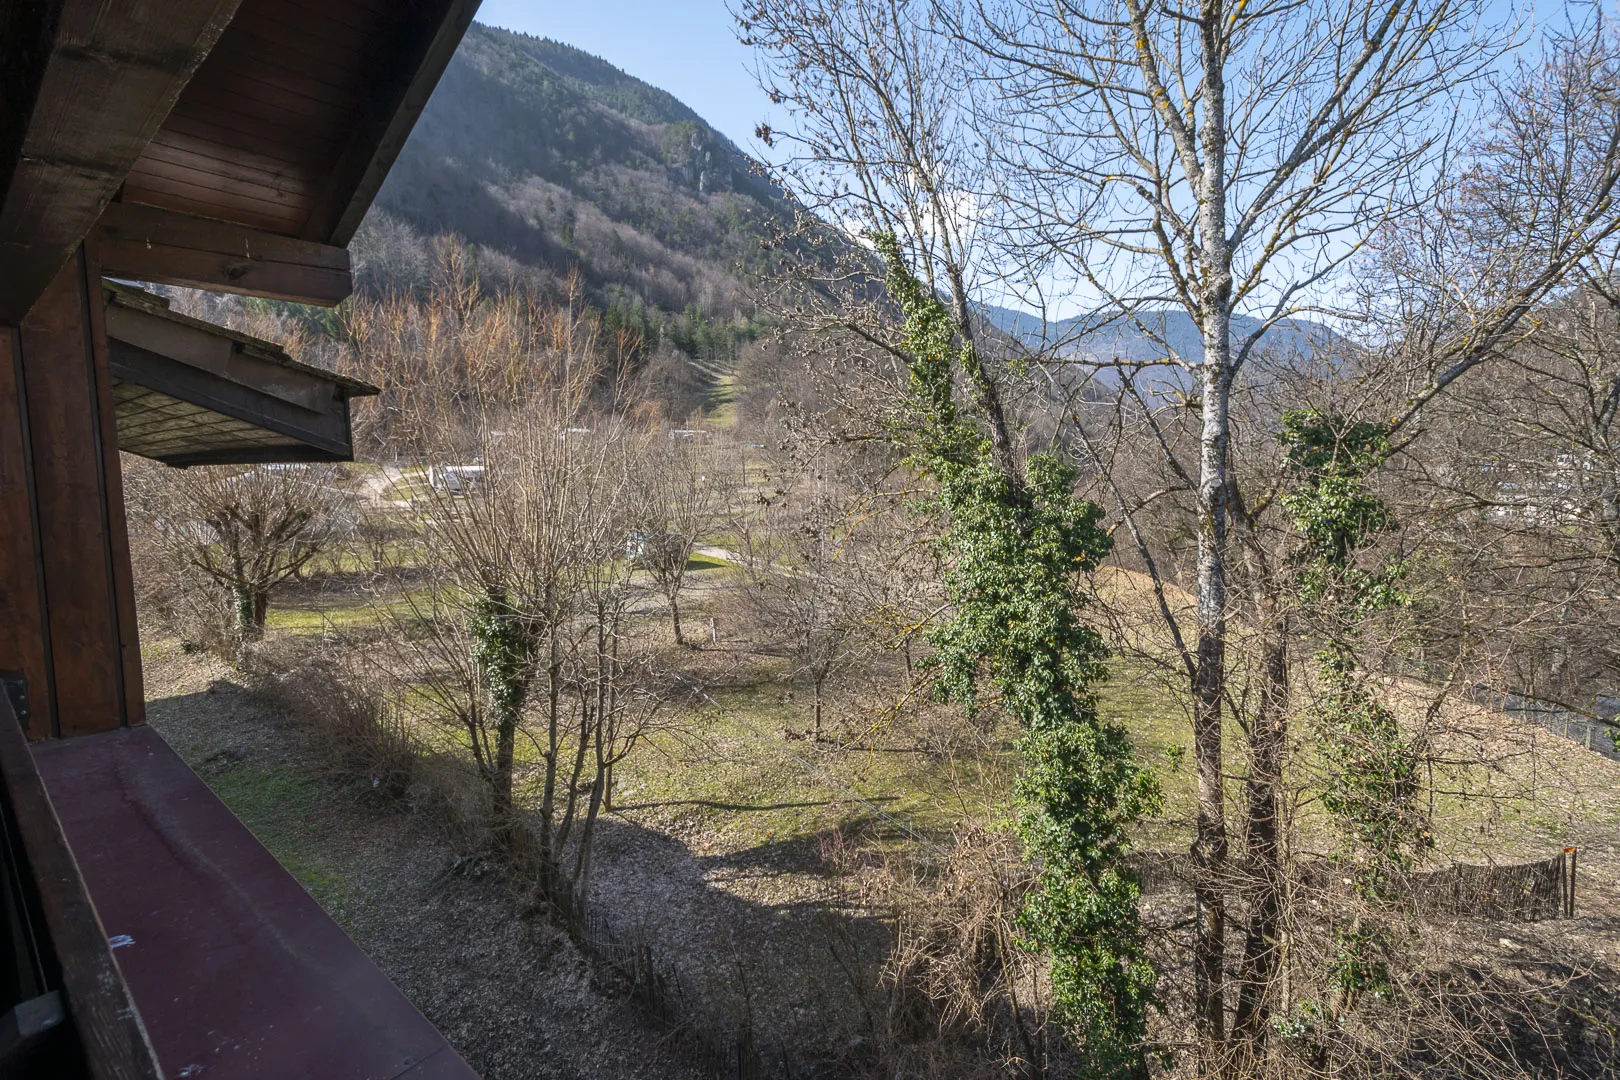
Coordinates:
800	567
1219	166
682	496
247	529
520	639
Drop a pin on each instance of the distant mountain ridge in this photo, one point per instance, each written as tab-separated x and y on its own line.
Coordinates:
1122	339
551	161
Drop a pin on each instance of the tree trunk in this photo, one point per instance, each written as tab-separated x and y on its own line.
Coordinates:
1209	676
501	778
1209	688
582	862
243	609
1268	738
675	615
548	800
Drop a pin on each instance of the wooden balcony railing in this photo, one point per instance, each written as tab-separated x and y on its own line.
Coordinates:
65	1010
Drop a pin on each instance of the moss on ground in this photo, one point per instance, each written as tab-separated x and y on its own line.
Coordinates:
282	806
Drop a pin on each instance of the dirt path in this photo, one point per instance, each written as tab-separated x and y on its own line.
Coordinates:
512	995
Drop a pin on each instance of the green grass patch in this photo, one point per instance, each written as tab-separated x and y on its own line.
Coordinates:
337	611
734	771
314	617
722	401
283	808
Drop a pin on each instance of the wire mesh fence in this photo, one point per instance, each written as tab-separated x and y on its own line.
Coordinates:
1523	892
1596	729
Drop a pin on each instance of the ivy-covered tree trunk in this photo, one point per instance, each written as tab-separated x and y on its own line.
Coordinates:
1374	778
242	611
250	607
502	639
1019	540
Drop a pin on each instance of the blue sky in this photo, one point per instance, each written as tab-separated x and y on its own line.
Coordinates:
688	47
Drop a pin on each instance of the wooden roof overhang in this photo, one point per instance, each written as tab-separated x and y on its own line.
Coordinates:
232	145
188	392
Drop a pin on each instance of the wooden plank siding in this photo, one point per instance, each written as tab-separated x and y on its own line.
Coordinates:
127	626
232	145
83	553
25	644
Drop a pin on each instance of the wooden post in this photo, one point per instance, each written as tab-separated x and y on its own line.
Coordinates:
1569	888
65	581
25	647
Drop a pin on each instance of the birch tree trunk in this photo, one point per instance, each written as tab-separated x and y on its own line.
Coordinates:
1209	685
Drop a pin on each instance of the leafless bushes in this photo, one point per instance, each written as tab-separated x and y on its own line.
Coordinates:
515	653
965	998
346	712
956	996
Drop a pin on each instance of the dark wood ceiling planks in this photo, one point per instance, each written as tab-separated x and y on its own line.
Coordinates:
85	88
268	132
279	118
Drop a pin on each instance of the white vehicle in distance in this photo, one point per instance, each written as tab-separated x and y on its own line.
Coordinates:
456	479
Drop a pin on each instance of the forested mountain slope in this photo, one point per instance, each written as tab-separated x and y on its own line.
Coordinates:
548	158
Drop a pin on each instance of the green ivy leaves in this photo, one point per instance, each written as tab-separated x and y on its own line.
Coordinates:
1374	768
1018	546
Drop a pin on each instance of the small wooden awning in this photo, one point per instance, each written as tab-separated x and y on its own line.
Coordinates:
188	392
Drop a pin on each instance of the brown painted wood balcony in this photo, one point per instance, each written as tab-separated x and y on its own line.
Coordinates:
160	938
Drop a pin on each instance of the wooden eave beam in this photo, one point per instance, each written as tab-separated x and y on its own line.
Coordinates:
416	64
227	373
146	243
112	73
